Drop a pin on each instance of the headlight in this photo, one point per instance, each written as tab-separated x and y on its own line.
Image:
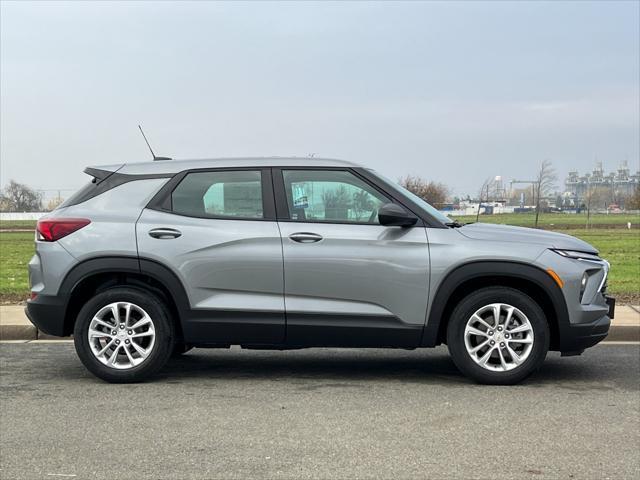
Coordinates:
578	255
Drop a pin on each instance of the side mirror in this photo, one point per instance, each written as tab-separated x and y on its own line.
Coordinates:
392	215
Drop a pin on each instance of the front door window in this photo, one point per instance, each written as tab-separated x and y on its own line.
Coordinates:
333	196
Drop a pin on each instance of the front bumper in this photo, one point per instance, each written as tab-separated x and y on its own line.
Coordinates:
611	302
581	336
589	310
575	337
47	313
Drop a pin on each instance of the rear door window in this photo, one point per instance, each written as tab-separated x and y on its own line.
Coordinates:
220	194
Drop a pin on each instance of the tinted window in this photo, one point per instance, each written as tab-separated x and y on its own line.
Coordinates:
331	196
236	194
81	195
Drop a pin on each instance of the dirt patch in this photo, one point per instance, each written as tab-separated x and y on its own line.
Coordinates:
627	298
13	299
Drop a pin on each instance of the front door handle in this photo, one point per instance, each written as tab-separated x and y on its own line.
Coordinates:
165	233
305	237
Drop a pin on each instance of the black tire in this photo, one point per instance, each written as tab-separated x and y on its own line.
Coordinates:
160	351
485	296
180	348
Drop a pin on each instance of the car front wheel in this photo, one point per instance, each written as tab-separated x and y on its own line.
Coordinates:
498	335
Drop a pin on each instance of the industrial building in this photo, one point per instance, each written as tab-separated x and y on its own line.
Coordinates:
621	183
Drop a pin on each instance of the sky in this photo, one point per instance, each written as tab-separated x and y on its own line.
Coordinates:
454	92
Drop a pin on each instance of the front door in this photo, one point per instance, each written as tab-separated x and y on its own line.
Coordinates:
349	281
218	234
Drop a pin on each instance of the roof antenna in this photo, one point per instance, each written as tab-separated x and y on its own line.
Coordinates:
150	149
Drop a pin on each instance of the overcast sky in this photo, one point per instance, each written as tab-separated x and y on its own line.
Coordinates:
454	92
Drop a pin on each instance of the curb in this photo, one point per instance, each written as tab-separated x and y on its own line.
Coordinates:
623	333
617	333
25	333
18	332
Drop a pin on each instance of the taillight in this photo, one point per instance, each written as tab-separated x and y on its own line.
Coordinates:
52	229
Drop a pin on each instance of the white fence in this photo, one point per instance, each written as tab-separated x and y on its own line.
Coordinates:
5	216
473	209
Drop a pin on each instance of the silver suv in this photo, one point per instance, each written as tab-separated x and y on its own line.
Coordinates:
152	259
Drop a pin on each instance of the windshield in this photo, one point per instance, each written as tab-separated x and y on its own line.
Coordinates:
430	209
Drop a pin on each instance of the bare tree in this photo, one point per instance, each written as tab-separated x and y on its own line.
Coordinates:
434	193
20	198
544	185
484	192
592	197
54	203
632	201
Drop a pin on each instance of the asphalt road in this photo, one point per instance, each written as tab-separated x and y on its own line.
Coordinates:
318	413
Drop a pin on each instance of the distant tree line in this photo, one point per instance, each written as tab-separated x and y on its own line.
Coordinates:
435	193
17	197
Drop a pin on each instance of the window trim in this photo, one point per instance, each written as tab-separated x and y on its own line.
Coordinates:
162	200
103	181
282	206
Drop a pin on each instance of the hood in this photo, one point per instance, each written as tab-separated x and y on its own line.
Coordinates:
507	233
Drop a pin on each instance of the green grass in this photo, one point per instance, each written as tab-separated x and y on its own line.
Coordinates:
16	249
557	221
14	224
622	249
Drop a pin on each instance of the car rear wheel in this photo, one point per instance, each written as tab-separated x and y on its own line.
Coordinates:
123	335
498	335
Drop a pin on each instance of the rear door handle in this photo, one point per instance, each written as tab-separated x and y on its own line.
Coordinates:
305	237
165	233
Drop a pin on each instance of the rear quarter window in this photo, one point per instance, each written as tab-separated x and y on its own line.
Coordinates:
81	195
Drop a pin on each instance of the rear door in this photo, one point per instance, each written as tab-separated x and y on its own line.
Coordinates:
216	230
349	281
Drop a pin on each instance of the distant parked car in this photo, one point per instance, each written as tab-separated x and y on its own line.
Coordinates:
613	208
152	259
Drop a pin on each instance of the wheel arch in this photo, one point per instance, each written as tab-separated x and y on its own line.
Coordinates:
98	274
465	278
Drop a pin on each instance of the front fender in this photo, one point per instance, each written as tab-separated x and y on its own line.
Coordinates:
454	283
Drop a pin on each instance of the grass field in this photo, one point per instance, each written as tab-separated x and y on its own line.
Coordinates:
17	224
16	249
557	221
618	245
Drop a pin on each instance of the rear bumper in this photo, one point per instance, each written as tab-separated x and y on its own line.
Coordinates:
47	313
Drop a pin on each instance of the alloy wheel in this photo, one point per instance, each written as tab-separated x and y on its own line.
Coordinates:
121	335
498	337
